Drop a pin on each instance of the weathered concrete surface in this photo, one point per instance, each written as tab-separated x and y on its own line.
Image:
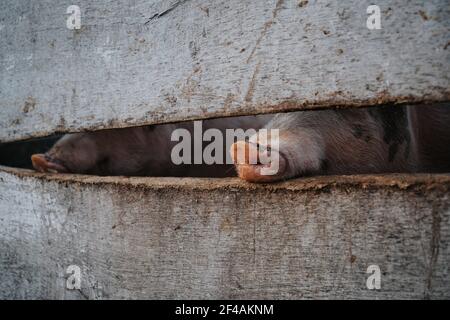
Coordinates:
223	238
141	62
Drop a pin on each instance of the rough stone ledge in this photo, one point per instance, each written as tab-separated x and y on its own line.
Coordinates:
401	181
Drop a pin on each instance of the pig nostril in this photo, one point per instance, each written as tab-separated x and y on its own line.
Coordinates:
51	163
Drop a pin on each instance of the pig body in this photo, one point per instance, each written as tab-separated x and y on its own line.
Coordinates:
352	141
348	141
138	151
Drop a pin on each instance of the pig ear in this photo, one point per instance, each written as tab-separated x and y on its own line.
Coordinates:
43	163
248	170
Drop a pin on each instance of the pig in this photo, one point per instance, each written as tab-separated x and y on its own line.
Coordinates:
137	151
384	139
335	141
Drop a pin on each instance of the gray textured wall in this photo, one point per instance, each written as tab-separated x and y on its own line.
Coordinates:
211	58
223	238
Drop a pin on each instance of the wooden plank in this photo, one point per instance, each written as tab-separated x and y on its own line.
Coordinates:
141	62
223	238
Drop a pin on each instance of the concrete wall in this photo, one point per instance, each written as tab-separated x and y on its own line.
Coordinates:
223	238
141	62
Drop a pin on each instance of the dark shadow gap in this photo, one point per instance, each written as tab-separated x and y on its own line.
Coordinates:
18	154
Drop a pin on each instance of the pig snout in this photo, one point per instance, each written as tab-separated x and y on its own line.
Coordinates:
247	158
45	163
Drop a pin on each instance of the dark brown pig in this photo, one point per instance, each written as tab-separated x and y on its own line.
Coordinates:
139	151
352	141
346	141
